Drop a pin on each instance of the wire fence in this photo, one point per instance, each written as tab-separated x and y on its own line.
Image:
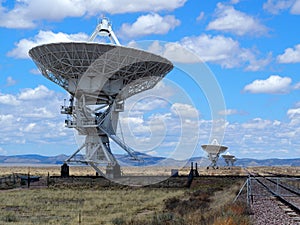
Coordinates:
10	181
18	180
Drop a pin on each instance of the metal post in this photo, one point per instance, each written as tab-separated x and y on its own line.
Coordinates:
248	202
277	189
250	190
79	217
48	179
14	179
28	180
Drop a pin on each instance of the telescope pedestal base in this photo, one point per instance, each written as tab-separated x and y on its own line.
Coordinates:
64	172
113	171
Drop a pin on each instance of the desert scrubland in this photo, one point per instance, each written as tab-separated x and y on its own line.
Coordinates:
209	199
148	171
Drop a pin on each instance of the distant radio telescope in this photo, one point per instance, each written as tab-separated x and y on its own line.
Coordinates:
229	159
214	150
99	77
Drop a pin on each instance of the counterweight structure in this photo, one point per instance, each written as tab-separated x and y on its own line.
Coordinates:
214	150
99	77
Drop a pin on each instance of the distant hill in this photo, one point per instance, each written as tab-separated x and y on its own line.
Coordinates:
149	160
32	159
268	162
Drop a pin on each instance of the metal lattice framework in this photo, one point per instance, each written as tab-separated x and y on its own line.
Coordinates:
102	76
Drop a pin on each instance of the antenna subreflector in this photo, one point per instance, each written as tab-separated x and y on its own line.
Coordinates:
104	29
99	77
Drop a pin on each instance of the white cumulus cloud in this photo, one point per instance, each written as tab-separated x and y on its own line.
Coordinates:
113	6
8	99
277	6
150	24
10	81
27	14
294	116
39	92
218	49
273	85
257	64
41	112
233	21
257	123
290	55
32	116
201	16
185	110
43	37
5	119
293	112
221	50
176	52
296	8
30	127
228	112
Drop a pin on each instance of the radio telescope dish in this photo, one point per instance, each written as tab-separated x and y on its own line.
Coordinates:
99	77
214	150
229	159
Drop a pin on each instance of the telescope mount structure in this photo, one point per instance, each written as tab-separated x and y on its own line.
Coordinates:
99	77
214	150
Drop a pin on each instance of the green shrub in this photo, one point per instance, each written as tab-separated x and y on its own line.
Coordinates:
118	221
10	217
166	218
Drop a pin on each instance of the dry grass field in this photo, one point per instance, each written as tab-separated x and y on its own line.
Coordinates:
88	206
121	205
149	171
276	170
207	201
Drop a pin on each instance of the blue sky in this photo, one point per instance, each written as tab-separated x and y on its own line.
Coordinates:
250	49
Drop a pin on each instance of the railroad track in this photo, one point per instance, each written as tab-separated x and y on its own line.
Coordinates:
280	182
283	193
272	198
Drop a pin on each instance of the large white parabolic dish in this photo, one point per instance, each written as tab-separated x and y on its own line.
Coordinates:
113	70
229	159
214	150
228	156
